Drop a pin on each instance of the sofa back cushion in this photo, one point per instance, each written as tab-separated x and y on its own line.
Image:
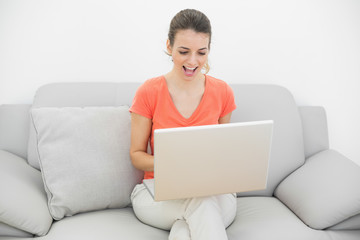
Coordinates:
254	102
14	128
262	102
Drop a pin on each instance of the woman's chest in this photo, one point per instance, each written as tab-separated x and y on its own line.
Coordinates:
186	105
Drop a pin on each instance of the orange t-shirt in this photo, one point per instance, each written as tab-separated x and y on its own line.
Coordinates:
152	100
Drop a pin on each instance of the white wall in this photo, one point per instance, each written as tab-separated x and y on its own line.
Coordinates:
312	47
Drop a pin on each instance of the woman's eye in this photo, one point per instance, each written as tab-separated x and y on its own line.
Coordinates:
202	53
183	53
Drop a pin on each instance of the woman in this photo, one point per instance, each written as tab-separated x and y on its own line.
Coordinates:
183	97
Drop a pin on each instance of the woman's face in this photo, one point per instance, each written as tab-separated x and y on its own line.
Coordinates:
189	53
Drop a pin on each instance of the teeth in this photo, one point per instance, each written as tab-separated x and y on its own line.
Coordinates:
190	68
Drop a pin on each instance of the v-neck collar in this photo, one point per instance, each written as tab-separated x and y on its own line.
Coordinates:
193	115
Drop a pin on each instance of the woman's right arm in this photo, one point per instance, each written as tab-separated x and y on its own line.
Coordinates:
140	133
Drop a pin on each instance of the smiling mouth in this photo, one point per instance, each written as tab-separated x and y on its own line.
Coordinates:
189	71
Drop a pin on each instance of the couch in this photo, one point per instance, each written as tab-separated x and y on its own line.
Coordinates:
313	191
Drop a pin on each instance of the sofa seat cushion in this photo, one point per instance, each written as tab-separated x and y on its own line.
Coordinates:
352	223
267	218
107	224
9	231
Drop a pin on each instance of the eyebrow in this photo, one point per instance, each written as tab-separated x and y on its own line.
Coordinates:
189	48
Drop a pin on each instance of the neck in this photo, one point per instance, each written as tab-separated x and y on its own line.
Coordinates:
184	84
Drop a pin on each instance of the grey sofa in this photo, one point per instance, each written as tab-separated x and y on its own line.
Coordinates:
313	192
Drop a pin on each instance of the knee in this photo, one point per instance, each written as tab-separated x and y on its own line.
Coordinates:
180	230
203	204
223	206
150	212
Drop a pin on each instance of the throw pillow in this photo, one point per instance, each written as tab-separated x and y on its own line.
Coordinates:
84	158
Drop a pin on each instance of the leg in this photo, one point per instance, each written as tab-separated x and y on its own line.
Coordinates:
228	206
180	231
160	214
208	217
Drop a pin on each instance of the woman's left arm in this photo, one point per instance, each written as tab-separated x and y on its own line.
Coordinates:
225	119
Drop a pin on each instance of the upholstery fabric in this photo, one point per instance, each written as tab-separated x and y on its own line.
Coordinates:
84	158
323	192
352	223
6	230
343	235
267	218
14	128
23	202
105	224
315	129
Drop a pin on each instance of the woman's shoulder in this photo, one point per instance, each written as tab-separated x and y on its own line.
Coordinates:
216	83
154	81
152	84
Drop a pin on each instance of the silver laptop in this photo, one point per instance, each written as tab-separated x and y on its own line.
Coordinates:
209	160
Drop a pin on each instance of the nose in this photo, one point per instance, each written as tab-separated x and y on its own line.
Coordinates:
192	60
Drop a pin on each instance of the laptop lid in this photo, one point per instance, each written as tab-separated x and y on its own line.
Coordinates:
213	159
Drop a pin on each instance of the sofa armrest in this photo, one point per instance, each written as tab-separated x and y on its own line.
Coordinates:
23	201
315	130
14	128
324	191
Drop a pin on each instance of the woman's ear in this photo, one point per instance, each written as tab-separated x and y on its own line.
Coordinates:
168	47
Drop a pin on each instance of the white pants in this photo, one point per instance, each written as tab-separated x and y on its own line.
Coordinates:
196	218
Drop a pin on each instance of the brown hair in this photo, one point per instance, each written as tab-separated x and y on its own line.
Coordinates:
190	19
